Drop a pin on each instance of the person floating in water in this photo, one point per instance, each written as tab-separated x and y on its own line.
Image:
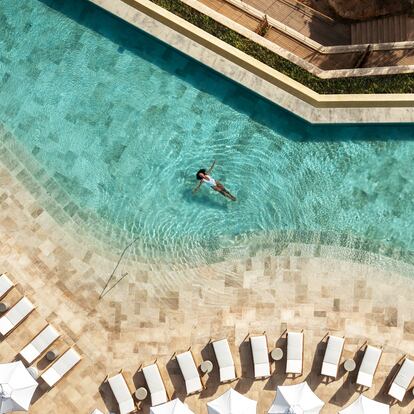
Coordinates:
204	177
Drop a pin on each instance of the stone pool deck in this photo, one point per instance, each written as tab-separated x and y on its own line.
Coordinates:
156	310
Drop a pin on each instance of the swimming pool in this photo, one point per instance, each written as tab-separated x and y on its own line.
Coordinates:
122	122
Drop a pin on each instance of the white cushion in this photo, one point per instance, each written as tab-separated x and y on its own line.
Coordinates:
368	366
122	394
51	377
227	374
332	356
15	315
397	392
39	344
96	411
5	326
405	374
329	370
294	352
224	360
293	366
62	365
190	372
5	284
155	384
260	356
364	379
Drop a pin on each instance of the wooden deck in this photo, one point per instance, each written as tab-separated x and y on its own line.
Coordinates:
312	25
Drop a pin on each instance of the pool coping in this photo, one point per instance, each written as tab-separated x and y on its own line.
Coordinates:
258	77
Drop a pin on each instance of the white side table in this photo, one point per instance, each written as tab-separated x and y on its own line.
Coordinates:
206	367
349	365
141	393
277	354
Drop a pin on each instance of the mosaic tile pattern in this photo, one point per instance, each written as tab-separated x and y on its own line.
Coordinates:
156	310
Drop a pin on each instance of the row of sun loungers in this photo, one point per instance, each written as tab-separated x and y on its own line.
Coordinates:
261	363
41	342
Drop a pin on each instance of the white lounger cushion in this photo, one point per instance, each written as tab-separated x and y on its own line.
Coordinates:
39	344
96	411
332	356
59	368
294	353
260	356
190	373
122	394
15	315
155	384
5	285
368	366
403	380
224	360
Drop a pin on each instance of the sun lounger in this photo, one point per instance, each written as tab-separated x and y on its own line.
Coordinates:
260	354
332	357
368	366
122	393
5	285
14	316
61	367
294	358
155	384
402	380
39	344
225	361
190	373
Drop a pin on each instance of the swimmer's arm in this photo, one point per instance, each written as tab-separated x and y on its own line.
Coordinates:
211	168
198	186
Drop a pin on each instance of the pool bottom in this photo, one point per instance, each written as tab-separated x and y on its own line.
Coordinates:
111	241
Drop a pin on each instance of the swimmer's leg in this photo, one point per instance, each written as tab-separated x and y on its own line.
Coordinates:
225	193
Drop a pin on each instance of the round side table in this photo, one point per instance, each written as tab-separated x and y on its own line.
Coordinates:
3	307
206	367
52	355
349	365
141	393
277	354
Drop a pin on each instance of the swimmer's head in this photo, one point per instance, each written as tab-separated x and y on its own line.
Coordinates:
200	174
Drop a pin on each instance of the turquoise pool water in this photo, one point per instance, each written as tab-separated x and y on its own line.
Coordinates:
122	122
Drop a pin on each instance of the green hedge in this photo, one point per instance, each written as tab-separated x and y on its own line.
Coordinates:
403	83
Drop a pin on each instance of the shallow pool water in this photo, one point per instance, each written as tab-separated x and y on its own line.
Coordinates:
123	122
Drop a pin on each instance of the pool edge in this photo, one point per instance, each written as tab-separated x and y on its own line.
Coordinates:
258	77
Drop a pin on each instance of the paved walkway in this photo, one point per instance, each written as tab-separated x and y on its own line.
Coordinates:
156	310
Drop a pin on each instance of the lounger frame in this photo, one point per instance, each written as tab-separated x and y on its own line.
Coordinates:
121	371
215	356
327	335
21	321
67	372
359	368
162	379
42	353
303	353
267	348
10	288
201	379
401	362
